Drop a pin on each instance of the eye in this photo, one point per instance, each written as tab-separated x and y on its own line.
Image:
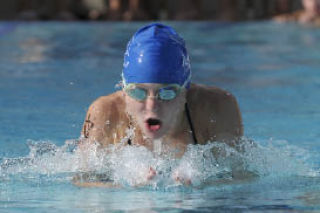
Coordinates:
137	93
167	93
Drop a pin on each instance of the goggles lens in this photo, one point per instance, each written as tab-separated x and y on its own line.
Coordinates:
165	93
137	93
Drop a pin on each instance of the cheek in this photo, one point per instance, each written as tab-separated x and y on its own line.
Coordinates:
170	110
133	107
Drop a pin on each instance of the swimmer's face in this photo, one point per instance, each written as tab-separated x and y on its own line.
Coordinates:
155	117
312	5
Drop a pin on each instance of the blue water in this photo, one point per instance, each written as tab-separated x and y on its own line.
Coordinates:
51	72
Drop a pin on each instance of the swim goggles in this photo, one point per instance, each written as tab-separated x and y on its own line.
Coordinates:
166	93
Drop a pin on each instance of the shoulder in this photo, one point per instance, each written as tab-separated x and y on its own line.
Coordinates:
215	113
109	110
209	95
105	116
109	104
108	101
208	100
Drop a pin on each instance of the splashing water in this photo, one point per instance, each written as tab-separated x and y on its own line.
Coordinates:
130	165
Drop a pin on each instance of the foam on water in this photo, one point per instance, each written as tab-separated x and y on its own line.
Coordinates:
130	165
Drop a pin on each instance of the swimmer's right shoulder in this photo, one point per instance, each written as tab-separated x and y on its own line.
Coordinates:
105	116
108	102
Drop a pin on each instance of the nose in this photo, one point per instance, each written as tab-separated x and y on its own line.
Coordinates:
151	104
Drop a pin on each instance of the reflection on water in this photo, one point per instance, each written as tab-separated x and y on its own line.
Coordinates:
33	50
311	198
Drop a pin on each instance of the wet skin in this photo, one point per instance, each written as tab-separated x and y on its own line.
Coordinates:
214	114
167	115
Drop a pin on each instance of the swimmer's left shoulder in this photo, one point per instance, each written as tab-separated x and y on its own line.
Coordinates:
213	100
215	113
209	94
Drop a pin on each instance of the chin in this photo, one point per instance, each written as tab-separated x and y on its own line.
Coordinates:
153	135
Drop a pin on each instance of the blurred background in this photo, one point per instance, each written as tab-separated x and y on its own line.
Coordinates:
130	10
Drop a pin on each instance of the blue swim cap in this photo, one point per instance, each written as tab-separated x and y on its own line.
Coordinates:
156	54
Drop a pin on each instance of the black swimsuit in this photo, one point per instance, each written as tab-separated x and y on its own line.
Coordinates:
190	124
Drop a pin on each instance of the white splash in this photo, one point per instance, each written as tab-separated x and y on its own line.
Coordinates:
131	165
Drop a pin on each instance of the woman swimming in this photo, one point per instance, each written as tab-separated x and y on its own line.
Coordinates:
158	102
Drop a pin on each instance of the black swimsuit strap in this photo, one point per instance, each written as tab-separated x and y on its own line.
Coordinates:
129	127
190	124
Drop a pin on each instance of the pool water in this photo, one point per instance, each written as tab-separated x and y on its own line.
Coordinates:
50	73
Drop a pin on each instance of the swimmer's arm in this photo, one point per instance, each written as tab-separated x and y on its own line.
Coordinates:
93	132
94	126
232	135
230	128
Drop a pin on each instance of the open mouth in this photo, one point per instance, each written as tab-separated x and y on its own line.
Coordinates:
153	124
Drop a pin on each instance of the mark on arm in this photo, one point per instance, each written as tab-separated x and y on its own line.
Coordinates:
88	125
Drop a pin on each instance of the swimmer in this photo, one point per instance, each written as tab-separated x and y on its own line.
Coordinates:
158	102
310	13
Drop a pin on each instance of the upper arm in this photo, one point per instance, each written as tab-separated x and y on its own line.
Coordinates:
95	121
106	120
230	121
218	117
